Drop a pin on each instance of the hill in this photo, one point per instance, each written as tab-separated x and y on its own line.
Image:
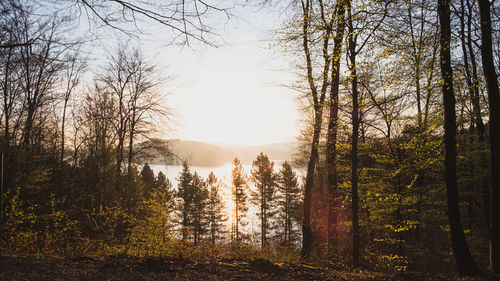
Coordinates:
206	154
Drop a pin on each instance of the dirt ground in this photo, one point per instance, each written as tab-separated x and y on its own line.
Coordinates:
155	268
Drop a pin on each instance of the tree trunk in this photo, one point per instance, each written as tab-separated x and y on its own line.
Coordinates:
307	232
463	258
331	142
354	147
63	122
307	235
494	103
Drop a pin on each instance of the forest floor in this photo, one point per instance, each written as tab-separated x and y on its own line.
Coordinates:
131	268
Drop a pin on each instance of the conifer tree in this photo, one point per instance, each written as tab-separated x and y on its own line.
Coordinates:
215	207
239	181
265	181
186	195
199	208
163	186
288	200
148	178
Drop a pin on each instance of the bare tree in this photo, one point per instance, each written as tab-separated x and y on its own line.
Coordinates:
74	70
133	84
491	78
184	20
463	257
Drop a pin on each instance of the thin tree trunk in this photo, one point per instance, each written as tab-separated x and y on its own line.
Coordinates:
463	257
354	148
475	80
6	102
63	123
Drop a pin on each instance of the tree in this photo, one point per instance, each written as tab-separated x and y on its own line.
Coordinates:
463	257
199	213
185	192
132	82
331	141
317	95
263	176
148	178
491	78
152	233
289	200
215	208
353	50
239	192
73	74
183	21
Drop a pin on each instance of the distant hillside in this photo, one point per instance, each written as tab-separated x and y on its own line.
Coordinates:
209	155
275	151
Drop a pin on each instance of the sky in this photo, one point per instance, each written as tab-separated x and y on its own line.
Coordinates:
230	94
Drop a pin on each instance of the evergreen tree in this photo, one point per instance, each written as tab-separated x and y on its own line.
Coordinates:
239	181
163	186
186	195
265	181
199	211
215	208
289	200
148	178
151	233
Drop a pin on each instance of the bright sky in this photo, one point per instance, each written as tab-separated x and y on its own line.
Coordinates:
230	94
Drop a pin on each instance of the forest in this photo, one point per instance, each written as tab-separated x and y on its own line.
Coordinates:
399	145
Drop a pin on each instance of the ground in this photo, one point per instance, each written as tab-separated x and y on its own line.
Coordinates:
162	268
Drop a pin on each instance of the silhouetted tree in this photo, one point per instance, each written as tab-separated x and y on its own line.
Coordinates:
463	257
265	180
200	218
289	201
148	178
239	192
186	193
215	208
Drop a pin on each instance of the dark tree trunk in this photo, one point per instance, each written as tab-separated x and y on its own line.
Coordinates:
63	123
354	147
331	142
463	257
307	231
494	103
475	80
307	234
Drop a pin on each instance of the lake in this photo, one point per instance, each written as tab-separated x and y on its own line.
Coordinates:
223	173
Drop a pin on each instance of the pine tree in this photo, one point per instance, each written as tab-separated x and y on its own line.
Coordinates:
161	181
186	194
215	208
265	181
148	178
199	210
239	181
151	232
163	186
289	200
